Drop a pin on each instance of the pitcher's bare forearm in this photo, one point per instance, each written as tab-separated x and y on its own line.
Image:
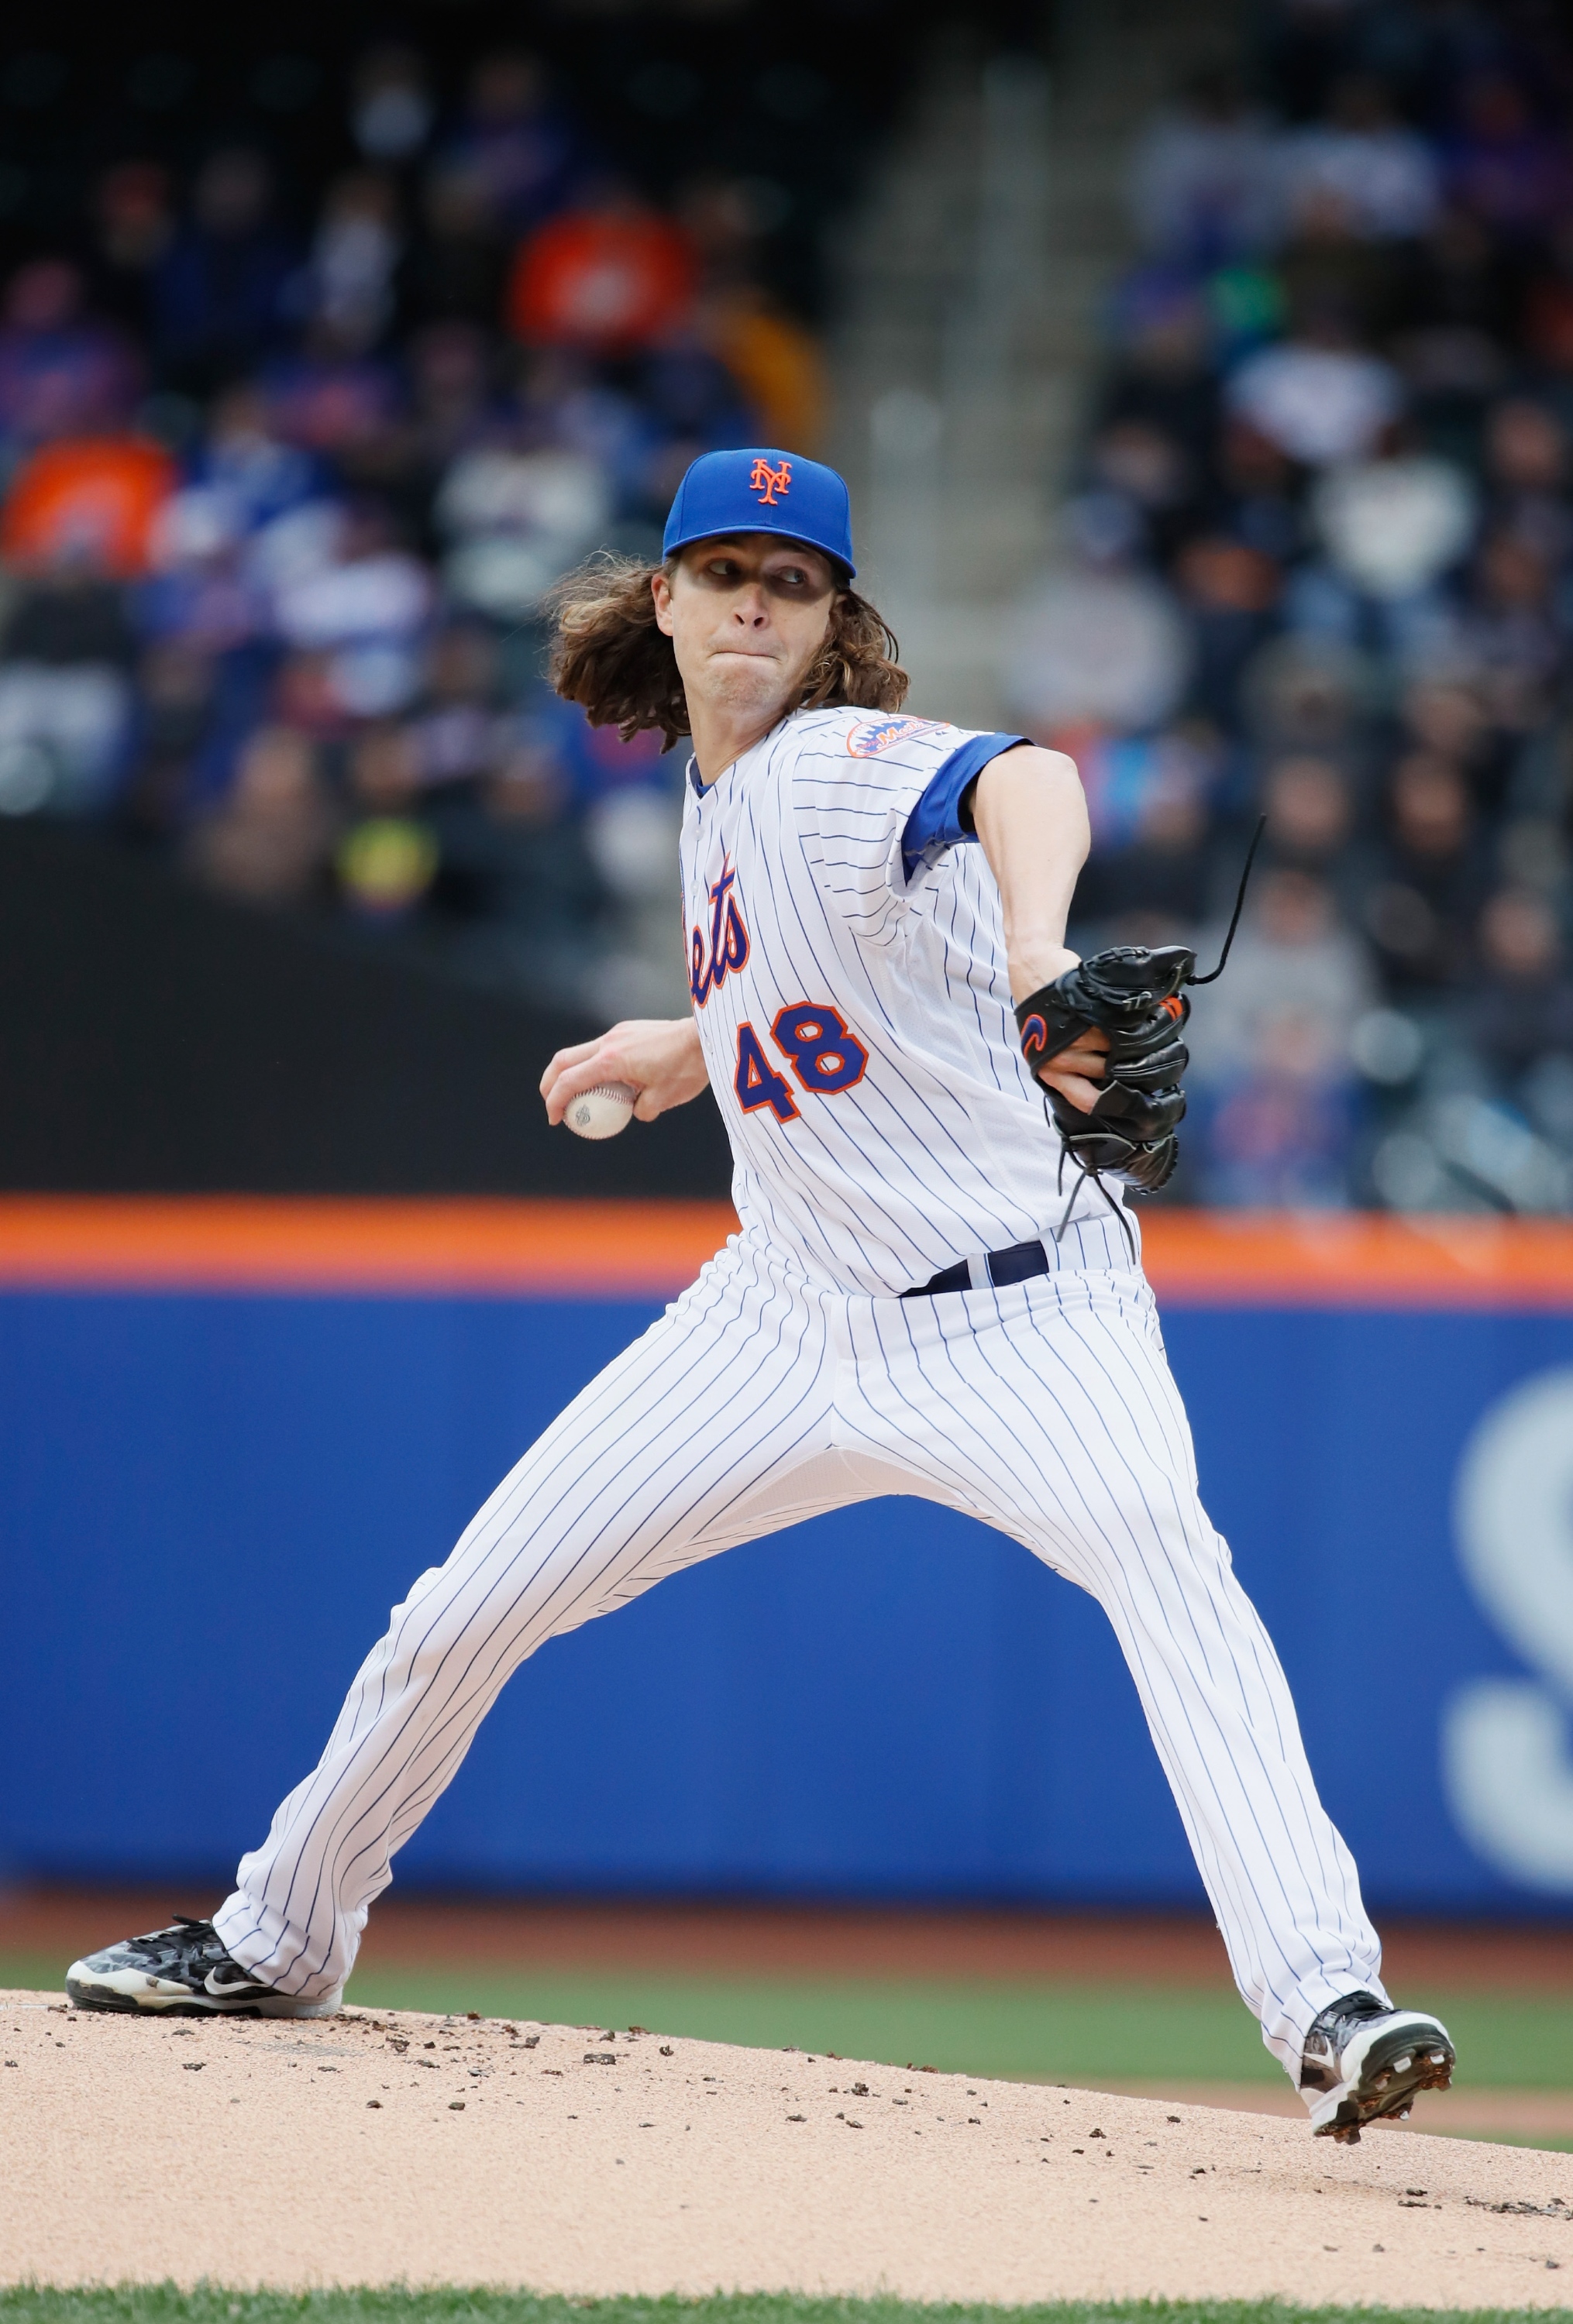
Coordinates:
1030	813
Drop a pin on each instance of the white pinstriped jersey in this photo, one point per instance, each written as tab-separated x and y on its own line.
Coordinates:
857	1024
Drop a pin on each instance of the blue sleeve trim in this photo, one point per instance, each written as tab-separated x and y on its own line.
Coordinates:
936	820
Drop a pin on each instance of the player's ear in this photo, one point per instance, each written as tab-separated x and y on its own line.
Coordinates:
661	590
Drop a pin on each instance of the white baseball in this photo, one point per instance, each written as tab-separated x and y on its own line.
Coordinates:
603	1112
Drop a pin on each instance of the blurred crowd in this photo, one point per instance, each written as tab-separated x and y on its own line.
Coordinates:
287	469
290	453
1321	570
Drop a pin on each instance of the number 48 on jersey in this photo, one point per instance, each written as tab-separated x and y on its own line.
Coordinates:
824	1057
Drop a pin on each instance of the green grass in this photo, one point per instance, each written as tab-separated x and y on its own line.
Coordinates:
162	2303
1052	2032
1072	2033
1062	2033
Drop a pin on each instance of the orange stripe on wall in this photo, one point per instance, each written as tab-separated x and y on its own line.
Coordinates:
636	1250
1199	1259
307	1244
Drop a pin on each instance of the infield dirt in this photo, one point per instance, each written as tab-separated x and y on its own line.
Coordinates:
375	2149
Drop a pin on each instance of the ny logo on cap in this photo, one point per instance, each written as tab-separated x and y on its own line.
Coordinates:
767	482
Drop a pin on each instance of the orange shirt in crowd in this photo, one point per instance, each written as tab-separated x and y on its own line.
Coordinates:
603	280
775	361
88	499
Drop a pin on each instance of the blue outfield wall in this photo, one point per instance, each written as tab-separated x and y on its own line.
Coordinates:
210	1503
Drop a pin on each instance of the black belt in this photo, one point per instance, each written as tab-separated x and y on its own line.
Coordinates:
1014	1266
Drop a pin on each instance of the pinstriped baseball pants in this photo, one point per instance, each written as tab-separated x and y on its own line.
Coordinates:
1045	1408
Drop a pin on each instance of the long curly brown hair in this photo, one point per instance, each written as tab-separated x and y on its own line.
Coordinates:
607	653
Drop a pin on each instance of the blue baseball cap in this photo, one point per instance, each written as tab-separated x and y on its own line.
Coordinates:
763	491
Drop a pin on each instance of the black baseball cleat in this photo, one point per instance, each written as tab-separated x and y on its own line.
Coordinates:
181	1971
1367	2061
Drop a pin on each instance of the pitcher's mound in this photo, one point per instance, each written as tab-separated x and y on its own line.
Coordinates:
368	2149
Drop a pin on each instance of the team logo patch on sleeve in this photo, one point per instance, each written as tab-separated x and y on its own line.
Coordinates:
870	736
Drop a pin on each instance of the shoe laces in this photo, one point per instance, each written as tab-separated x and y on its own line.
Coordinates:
1333	2026
184	1936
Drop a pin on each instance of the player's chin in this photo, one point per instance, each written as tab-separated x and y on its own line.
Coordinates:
747	677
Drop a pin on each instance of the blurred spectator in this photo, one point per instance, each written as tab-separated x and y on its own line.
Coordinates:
1280	1133
269	840
1442	710
1205	182
220	296
1420	914
1256	488
1338	288
1103	648
519	144
329	395
1384	177
1230	591
1502	165
391	111
388	858
773	360
517	521
1392	527
201	591
1452	314
88	503
1307	693
1312	827
1155	478
1526	476
460	262
1292	955
459	732
61	729
449	368
386	866
361	599
133	227
1514	631
1162	374
1522	1013
356	249
1319	397
60	373
1147	881
244	464
65	693
1273	1052
174	708
611	277
1548	310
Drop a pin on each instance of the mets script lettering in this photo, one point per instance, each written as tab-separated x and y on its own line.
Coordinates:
728	945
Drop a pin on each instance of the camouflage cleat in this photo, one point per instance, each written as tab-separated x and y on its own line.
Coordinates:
1365	2062
181	1971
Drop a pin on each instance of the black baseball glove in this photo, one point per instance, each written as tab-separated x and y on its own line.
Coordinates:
1134	996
